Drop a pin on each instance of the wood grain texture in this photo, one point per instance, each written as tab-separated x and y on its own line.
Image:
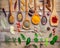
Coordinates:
4	3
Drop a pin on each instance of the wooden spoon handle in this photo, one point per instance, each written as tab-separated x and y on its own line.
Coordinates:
43	7
30	1
19	4
54	4
54	7
10	3
35	5
26	8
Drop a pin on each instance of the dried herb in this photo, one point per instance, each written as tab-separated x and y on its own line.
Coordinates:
36	35
46	42
19	40
52	42
28	41
50	35
55	38
7	39
35	45
23	37
41	39
14	40
36	40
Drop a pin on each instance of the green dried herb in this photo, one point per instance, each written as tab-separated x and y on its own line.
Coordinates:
36	35
50	35
23	37
7	39
19	40
55	38
52	42
35	45
41	39
36	40
46	42
14	40
28	41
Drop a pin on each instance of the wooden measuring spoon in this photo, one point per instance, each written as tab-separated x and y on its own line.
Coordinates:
44	19
10	17
26	22
54	20
19	15
35	18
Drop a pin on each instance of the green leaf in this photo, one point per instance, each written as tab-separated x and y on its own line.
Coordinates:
28	41
35	45
52	42
36	35
23	37
55	38
36	40
41	39
50	35
19	40
46	42
14	40
7	39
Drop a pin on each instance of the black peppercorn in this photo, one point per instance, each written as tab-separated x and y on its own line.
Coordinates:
48	28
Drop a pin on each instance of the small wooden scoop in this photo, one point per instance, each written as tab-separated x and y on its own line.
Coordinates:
44	19
26	22
19	15
35	18
11	18
54	20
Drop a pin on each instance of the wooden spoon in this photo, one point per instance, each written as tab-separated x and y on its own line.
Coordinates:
19	15
35	17
44	19
26	22
10	17
54	20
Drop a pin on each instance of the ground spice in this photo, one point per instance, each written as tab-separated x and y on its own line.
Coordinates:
54	19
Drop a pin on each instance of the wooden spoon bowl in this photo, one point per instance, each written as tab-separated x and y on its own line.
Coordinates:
19	16
26	24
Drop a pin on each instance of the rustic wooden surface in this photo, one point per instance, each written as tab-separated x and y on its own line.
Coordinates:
4	4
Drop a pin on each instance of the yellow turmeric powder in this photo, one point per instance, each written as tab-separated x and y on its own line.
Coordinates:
36	19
